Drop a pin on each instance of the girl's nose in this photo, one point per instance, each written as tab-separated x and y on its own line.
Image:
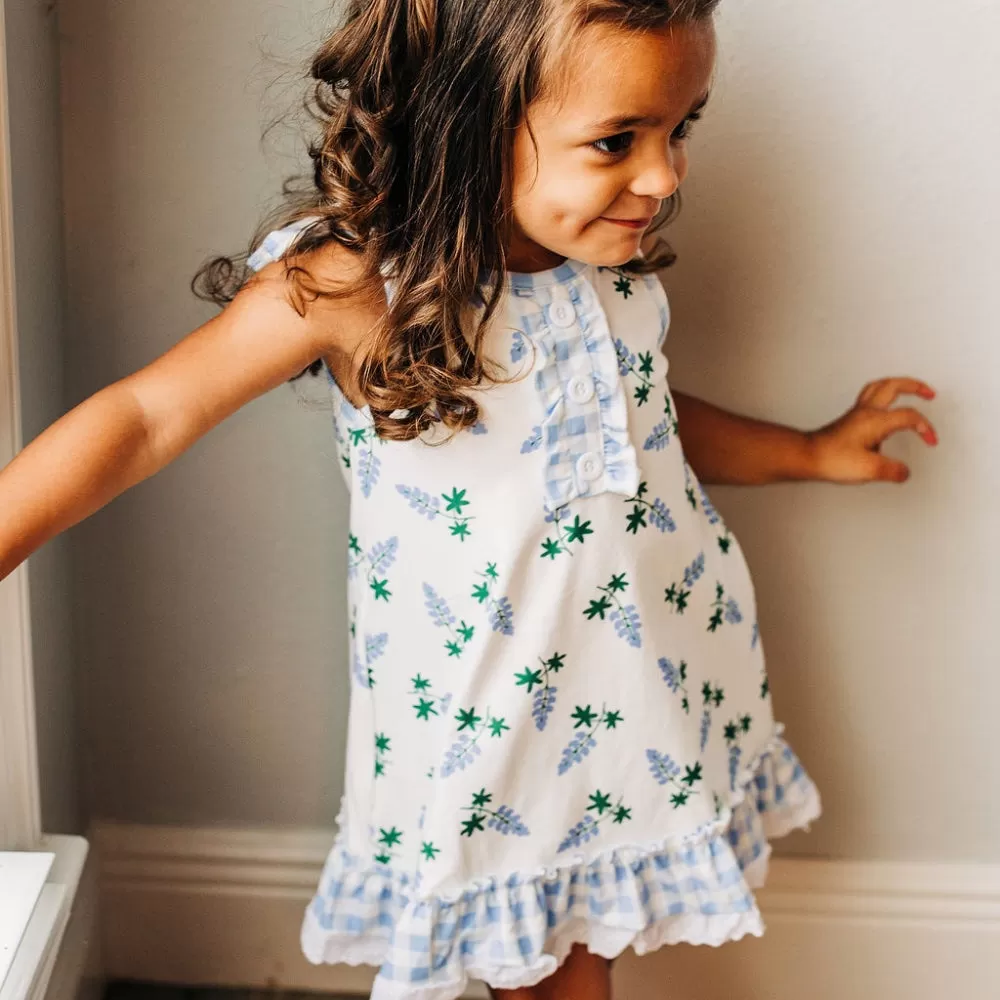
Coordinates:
658	176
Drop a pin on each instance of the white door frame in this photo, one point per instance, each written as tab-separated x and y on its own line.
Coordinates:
20	811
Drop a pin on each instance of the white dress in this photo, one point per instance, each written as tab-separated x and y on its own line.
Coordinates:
560	727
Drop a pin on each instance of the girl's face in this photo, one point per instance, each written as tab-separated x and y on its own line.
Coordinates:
612	148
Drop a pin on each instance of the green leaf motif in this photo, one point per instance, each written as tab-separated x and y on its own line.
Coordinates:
529	678
455	500
598	608
429	851
472	824
482	798
467	718
584	716
599	802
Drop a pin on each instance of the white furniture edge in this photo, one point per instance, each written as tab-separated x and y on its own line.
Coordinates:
41	946
222	906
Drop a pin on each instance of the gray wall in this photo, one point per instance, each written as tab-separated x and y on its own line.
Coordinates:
839	225
33	95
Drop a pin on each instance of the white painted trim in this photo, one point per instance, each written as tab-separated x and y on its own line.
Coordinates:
20	809
223	907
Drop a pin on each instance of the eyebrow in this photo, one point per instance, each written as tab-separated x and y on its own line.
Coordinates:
618	123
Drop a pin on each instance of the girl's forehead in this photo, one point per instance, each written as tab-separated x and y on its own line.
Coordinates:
609	72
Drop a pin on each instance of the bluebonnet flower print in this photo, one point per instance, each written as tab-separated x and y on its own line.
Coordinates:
639	367
599	809
676	679
658	438
725	610
430	507
382	747
656	511
428	704
375	563
543	700
584	739
368	467
499	609
503	818
441	615
533	442
570	534
734	732
666	771
374	647
466	748
479	428
711	699
677	594
625	618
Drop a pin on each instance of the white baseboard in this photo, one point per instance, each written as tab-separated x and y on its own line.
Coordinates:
223	907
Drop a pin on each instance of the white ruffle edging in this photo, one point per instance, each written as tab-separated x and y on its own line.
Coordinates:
517	931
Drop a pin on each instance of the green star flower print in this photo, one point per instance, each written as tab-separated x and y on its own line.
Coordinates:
560	725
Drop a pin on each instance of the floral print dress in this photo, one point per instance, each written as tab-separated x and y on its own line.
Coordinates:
560	726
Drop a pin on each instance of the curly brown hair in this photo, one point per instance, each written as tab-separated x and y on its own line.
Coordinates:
417	103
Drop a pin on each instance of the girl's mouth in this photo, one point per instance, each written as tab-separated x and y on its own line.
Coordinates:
629	223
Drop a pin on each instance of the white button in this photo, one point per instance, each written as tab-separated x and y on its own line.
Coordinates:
562	313
589	466
581	389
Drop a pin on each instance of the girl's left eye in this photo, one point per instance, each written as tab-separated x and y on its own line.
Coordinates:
619	143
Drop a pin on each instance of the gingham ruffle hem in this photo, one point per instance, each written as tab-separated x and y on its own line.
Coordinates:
515	931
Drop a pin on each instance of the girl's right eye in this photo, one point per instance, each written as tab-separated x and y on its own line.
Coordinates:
619	143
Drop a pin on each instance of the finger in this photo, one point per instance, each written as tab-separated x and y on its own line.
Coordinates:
883	393
888	470
887	422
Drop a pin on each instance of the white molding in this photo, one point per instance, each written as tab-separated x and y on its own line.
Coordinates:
223	906
20	809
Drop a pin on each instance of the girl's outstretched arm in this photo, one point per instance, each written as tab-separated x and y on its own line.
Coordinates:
723	447
134	427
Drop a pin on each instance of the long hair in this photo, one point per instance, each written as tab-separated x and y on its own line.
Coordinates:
417	102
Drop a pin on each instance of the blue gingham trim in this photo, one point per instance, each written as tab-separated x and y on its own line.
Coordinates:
594	431
512	932
275	244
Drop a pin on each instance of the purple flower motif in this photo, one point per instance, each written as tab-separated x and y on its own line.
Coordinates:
579	834
383	555
368	467
507	822
361	673
706	725
421	502
437	607
670	674
479	428
542	706
626	359
627	624
375	646
662	767
660	437
502	616
694	572
734	765
578	748
659	516
710	512
733	614
461	753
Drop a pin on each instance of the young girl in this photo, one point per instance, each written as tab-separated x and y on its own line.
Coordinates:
560	739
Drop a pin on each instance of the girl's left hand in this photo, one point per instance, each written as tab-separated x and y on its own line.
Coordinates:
847	450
